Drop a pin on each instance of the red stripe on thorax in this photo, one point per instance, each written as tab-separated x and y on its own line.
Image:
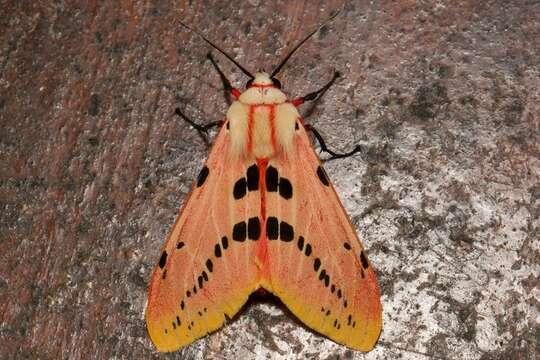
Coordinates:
273	126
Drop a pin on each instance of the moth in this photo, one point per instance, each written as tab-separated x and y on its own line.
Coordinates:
263	214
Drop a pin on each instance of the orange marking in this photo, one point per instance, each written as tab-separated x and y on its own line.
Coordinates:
262	163
262	248
262	85
297	102
273	125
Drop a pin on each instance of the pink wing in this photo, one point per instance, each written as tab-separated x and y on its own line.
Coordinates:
206	269
318	267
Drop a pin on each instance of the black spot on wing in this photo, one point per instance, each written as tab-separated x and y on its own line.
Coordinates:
239	231
254	228
325	277
271	179
253	177
163	259
308	250
209	265
217	251
322	176
272	228
225	242
240	188
286	231
301	243
180	245
317	264
285	188
200	281
202	176
363	260
347	246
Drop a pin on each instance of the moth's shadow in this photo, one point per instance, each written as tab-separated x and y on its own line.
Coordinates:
263	319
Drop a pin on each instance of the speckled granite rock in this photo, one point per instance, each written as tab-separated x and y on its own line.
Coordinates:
443	96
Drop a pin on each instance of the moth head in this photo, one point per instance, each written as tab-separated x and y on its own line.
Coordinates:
262	79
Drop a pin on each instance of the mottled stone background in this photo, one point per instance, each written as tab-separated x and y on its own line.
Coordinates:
443	96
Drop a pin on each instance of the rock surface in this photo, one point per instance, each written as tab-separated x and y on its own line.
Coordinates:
444	98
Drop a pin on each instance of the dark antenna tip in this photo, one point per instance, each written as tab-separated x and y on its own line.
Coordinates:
282	63
218	49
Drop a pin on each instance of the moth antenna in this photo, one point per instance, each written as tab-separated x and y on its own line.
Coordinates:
278	68
218	49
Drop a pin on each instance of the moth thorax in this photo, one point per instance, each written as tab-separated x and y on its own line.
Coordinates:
261	130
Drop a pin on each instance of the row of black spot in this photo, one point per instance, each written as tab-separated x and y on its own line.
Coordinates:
248	183
219	248
281	229
201	279
337	324
251	230
363	259
273	181
177	322
285	231
325	278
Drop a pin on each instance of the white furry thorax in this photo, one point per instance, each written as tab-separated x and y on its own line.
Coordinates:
261	121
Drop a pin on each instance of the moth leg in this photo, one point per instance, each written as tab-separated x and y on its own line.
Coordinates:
334	155
226	83
315	94
201	129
